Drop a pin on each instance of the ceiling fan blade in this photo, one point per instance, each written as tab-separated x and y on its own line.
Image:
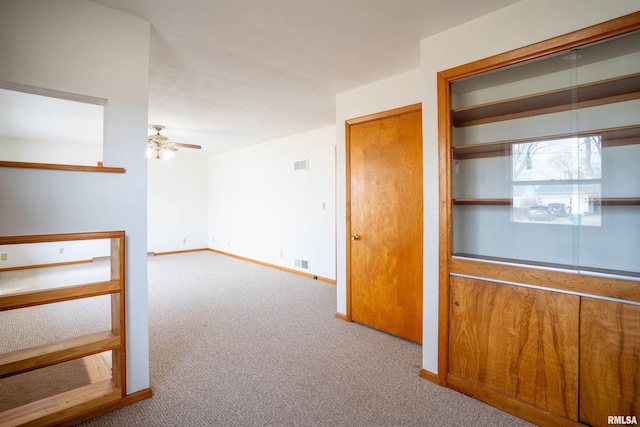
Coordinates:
179	144
170	148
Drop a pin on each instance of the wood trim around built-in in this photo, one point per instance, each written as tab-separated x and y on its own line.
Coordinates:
592	34
429	376
523	410
568	281
445	246
59	167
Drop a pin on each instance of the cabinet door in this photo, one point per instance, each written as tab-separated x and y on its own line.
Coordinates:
609	360
518	341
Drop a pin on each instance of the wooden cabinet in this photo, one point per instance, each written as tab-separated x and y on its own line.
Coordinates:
517	341
609	366
540	218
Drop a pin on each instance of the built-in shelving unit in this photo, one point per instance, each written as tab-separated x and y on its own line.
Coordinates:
102	390
539	218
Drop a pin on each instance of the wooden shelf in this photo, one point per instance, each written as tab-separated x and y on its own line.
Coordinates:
483	202
620	201
611	137
60	351
52	166
605	201
65	293
608	91
65	406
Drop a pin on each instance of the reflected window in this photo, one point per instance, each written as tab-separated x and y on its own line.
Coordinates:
557	181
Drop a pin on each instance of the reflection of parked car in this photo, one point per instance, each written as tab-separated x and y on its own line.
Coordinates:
559	209
541	213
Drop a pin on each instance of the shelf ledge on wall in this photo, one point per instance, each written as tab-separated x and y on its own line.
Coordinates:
53	166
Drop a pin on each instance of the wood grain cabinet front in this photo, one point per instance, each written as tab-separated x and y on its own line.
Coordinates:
609	360
520	342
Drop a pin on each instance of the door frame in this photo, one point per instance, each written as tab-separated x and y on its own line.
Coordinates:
348	123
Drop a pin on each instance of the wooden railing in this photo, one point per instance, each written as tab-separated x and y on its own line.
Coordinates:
101	392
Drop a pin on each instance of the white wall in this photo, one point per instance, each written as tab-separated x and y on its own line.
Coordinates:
39	254
21	150
518	25
177	203
42	152
260	208
80	47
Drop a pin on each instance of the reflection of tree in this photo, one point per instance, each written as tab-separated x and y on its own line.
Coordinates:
557	159
586	168
563	162
523	155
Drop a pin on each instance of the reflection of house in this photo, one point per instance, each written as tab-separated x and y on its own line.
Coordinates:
524	196
581	198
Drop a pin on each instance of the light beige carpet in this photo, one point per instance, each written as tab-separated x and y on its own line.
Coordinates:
234	343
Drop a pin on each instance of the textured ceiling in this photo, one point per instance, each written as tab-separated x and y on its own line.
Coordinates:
229	73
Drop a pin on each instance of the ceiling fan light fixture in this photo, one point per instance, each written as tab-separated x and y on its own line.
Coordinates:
167	154
160	147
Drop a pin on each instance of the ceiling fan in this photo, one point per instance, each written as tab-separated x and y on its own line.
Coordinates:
159	146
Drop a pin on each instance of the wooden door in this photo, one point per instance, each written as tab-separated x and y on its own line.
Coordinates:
384	222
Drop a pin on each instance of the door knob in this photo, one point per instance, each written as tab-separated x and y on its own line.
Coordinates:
355	237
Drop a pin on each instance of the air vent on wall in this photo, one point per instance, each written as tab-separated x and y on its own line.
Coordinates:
302	263
301	165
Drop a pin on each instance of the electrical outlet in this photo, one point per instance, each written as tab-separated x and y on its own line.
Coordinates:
61	251
3	257
281	254
184	241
